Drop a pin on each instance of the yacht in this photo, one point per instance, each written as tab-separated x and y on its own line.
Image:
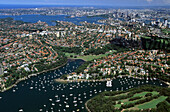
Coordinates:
109	83
21	110
58	100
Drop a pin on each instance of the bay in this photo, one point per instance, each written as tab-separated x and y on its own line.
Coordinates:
42	93
50	18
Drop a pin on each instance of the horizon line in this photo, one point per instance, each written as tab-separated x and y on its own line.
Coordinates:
91	5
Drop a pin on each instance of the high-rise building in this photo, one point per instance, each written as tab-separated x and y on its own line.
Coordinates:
165	22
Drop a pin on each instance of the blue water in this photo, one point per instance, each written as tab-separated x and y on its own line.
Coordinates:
49	19
16	6
45	88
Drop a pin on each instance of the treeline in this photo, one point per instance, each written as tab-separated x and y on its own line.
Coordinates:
155	43
99	103
160	107
104	49
76	50
82	67
135	98
93	51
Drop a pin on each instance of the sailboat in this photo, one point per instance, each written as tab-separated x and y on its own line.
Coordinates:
58	100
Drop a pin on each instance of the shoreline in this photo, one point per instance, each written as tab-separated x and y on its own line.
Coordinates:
101	80
31	75
87	106
79	80
77	59
88	110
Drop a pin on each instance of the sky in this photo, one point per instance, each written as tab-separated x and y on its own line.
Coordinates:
91	2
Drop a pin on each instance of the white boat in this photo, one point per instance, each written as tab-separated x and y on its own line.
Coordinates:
58	100
21	110
75	105
109	83
67	106
74	101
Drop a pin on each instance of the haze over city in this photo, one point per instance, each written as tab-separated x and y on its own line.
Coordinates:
92	2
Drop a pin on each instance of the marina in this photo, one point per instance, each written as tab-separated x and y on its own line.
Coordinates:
43	94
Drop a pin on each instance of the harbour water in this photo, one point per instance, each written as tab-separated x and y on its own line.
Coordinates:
49	19
42	93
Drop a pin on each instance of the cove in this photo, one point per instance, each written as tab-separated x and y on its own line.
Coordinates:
42	93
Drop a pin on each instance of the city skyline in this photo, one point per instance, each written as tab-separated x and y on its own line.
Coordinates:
91	2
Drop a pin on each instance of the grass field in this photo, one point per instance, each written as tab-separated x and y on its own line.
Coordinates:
144	93
68	54
134	99
152	104
126	101
88	57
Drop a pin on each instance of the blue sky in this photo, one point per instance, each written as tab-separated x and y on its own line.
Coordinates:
91	2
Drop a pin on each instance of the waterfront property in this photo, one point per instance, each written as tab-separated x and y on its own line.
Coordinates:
43	93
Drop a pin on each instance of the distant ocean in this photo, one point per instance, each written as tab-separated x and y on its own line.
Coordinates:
15	6
4	6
